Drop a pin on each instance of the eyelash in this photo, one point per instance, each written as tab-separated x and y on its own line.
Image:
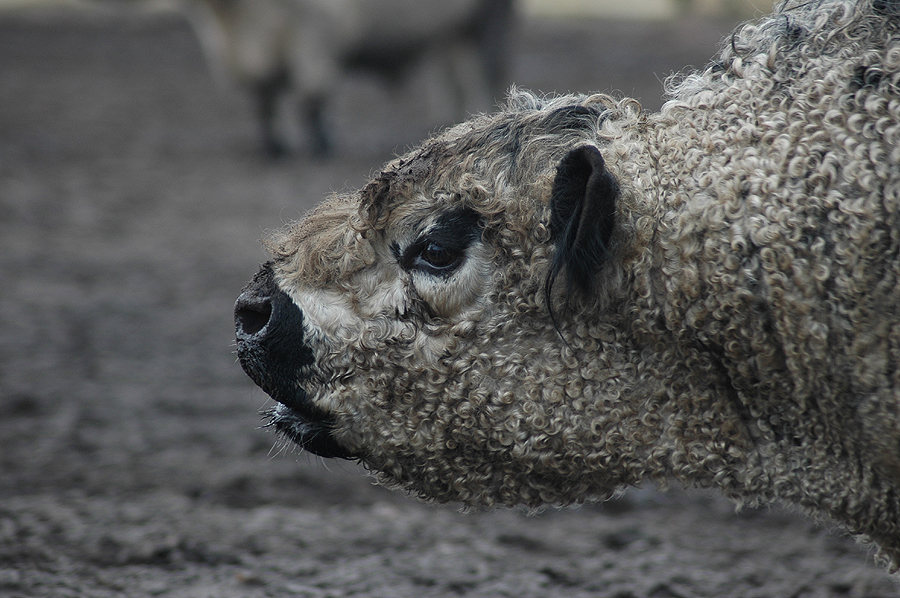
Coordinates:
437	255
431	257
434	258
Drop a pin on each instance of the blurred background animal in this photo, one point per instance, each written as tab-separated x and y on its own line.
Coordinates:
295	52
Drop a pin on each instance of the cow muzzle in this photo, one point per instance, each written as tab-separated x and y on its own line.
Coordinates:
271	348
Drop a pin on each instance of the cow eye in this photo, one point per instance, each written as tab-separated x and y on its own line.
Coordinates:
441	250
437	258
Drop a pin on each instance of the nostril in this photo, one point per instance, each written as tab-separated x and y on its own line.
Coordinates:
252	316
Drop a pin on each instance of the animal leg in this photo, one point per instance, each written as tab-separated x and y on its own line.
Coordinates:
314	115
268	92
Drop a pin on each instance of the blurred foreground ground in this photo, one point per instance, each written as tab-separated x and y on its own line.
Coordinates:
131	459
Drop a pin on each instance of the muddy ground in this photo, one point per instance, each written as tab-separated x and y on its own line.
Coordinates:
132	462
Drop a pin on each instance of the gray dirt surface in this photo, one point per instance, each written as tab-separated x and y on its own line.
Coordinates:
132	462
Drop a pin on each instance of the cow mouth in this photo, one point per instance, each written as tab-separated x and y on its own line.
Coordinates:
313	434
270	348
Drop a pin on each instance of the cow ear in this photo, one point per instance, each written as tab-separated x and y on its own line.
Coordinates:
582	218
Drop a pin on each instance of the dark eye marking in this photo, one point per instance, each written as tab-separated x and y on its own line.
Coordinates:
442	249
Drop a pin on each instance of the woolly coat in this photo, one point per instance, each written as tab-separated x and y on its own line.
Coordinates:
544	305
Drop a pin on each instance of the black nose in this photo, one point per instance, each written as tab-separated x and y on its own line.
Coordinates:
251	315
253	308
268	327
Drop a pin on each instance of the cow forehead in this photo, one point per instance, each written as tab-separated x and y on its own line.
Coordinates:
507	149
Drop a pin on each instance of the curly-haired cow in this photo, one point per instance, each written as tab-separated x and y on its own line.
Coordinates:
573	295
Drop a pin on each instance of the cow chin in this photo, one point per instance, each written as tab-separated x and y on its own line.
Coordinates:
309	433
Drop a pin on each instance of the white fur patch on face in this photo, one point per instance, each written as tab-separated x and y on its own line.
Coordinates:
328	316
380	291
334	320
